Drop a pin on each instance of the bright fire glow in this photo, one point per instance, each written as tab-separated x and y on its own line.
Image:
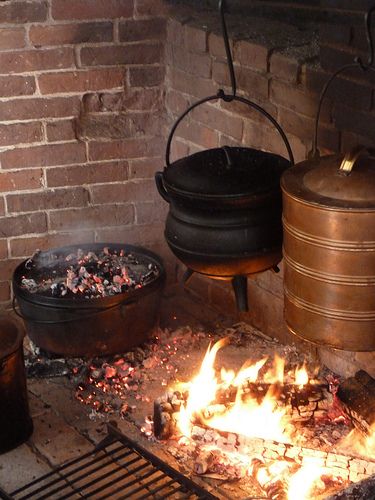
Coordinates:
301	376
358	442
246	416
302	482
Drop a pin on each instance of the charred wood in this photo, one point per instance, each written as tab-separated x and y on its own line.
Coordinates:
357	395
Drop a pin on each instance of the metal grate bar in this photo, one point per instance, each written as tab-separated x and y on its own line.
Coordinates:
142	486
62	468
115	469
116	480
119	468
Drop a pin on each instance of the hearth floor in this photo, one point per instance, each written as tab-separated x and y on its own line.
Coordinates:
65	429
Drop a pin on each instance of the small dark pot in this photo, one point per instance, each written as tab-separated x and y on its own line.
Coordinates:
15	423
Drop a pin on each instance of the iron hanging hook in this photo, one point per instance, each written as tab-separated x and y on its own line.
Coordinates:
370	42
358	63
221	93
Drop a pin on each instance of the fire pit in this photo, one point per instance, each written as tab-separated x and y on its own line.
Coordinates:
88	300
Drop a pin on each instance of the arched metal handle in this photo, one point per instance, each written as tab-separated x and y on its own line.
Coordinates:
223	96
351	158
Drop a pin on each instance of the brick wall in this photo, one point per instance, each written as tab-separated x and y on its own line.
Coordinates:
81	95
283	69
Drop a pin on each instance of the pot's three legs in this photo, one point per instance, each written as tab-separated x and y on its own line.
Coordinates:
239	284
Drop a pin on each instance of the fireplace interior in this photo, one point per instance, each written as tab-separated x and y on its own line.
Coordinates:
90	91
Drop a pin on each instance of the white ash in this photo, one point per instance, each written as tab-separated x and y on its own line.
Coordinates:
89	275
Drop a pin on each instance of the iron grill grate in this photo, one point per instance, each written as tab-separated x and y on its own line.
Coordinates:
118	468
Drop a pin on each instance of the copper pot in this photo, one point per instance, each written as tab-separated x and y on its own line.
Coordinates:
329	250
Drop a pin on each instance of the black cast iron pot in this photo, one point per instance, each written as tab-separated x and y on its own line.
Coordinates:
90	327
225	213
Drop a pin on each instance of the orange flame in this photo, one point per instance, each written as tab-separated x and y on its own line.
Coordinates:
301	377
246	416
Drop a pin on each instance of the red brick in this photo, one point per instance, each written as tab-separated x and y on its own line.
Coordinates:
4	291
112	126
7	268
36	60
28	109
298	99
251	113
87	174
23	12
176	102
188	84
61	130
3	249
147	212
16	85
48	199
216	46
80	81
147	235
2	206
251	54
135	53
284	67
125	192
195	39
23	224
127	148
195	64
41	156
61	34
353	120
219	120
179	149
136	30
24	247
150	7
350	140
148	76
92	217
18	133
12	38
267	139
145	168
21	180
199	134
91	9
303	127
332	58
175	32
129	99
246	79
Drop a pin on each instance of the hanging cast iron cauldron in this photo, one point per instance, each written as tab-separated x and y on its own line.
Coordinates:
225	203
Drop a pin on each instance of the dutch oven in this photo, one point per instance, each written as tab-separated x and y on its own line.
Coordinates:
329	250
80	326
15	422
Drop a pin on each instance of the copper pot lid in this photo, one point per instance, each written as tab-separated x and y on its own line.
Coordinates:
334	181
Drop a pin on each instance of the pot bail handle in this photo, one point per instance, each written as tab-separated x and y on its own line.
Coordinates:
351	158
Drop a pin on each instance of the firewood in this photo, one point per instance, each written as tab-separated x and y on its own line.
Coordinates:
357	395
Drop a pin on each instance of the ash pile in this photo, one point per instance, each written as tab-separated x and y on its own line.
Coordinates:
88	274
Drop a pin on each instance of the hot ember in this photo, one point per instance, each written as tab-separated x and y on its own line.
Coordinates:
251	426
90	274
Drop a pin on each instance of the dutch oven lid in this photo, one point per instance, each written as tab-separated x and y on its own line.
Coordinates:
335	181
227	171
10	337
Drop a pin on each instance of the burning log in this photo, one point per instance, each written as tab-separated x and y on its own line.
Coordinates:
357	395
273	485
